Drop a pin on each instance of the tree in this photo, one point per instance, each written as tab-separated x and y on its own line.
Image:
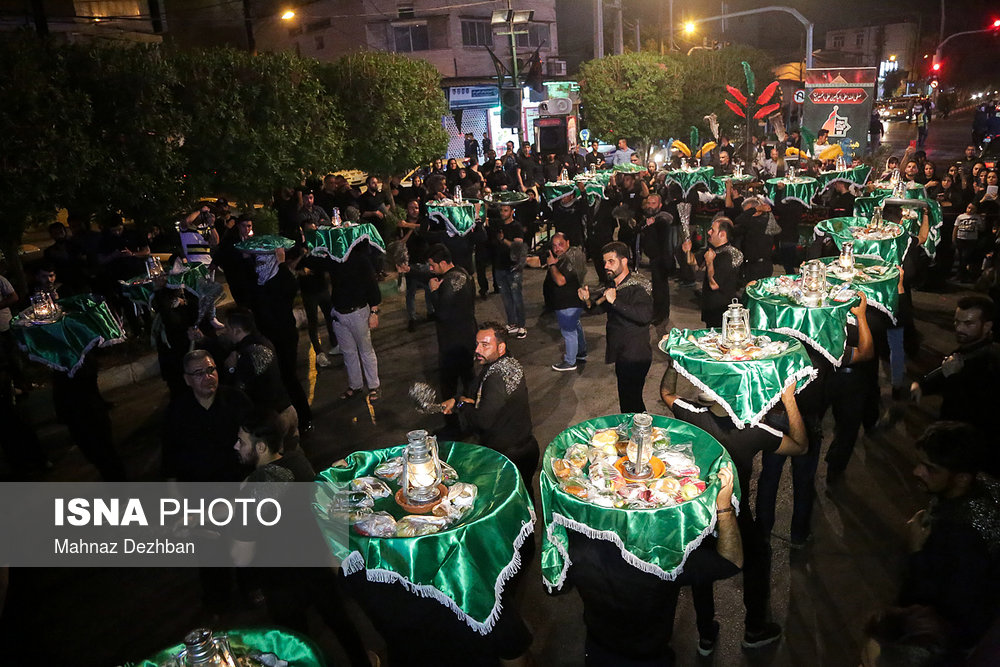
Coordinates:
634	96
44	148
135	133
706	74
254	122
393	106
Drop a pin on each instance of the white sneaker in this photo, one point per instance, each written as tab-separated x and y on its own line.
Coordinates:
521	333
322	360
511	329
334	351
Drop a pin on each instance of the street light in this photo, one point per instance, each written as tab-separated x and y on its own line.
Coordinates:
288	15
689	27
806	23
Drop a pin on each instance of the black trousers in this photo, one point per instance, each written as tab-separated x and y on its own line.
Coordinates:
631	380
81	407
848	394
757	270
484	258
661	290
286	347
321	300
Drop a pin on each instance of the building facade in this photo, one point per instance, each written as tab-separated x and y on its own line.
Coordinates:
86	20
889	47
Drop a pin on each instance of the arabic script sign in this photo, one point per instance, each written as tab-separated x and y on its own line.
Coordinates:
840	100
838	96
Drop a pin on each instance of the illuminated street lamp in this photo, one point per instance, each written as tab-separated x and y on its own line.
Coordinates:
689	27
288	15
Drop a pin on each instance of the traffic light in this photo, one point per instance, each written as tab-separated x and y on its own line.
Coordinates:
936	67
996	23
510	107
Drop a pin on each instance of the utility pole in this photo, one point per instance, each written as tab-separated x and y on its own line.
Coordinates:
248	24
638	43
598	28
673	44
619	29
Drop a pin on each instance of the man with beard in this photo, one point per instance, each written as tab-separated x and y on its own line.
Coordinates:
629	305
954	544
499	411
722	271
969	378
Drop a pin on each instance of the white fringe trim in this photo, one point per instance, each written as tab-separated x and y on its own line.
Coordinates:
323	251
707	184
809	372
448	225
795	333
355	562
627	556
99	341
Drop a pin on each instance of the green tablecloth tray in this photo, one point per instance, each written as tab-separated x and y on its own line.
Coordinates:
657	541
464	567
802	192
890	250
140	289
746	389
458	220
87	322
824	328
687	179
338	242
297	650
882	291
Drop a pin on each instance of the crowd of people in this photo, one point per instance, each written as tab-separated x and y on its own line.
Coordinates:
237	404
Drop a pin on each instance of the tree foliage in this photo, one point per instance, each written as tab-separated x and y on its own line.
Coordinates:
393	106
635	96
254	122
706	74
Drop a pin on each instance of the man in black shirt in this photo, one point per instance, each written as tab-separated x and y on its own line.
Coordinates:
722	272
236	264
566	268
253	368
551	168
499	410
336	194
568	213
508	252
200	426
574	162
356	297
789	214
274	299
751	235
629	305
743	445
968	379
842	201
258	445
595	156
527	168
657	242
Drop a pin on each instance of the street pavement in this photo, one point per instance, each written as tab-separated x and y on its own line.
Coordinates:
946	138
821	594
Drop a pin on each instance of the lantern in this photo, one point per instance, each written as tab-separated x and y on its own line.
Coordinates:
42	305
640	446
421	469
153	267
592	169
203	649
735	326
737	170
841	164
564	175
846	261
894	178
877	220
813	282
790	173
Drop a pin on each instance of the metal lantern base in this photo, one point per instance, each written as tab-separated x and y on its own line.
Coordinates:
421	508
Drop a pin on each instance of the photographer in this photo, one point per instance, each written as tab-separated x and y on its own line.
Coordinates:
198	236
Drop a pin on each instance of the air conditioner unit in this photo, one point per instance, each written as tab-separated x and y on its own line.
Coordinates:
555	67
557	106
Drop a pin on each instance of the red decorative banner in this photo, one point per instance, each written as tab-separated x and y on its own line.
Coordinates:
837	96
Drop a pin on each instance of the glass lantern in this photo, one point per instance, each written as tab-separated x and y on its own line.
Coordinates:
564	175
421	468
640	446
42	305
203	649
735	326
846	260
738	170
790	173
877	219
592	169
813	282
894	178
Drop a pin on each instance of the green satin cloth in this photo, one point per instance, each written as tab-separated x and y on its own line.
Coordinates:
297	650
689	179
800	192
265	243
717	186
466	565
865	207
657	541
87	322
890	251
628	168
882	291
856	176
746	389
824	328
553	191
338	242
188	279
458	220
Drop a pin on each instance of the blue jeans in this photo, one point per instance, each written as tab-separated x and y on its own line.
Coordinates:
412	285
897	358
572	333
509	282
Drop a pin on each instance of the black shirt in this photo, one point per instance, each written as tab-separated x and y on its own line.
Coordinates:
502	258
571	265
656	240
502	415
727	263
551	171
528	169
454	304
198	443
842	204
750	236
353	281
293	466
371	201
273	303
258	375
972	394
628	321
742	444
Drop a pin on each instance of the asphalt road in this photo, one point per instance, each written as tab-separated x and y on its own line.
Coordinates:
946	138
821	595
